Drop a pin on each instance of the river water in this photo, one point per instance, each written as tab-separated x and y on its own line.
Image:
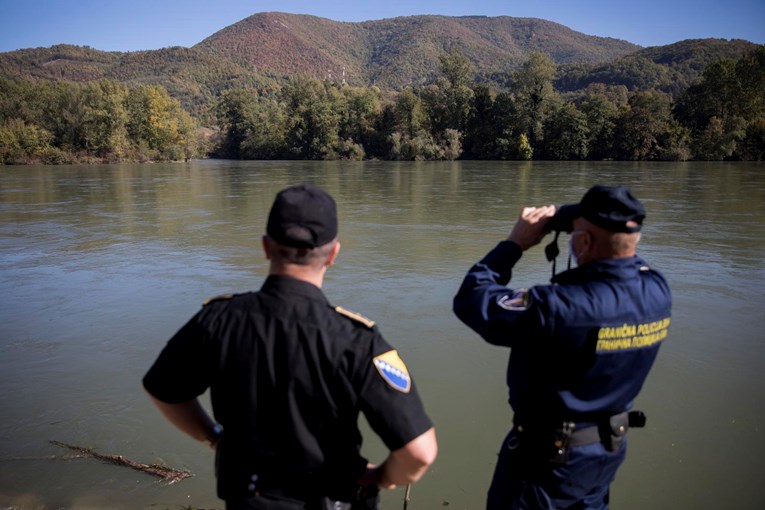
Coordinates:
100	265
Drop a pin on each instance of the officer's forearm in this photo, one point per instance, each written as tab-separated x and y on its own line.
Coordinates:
190	417
494	269
410	462
500	315
485	280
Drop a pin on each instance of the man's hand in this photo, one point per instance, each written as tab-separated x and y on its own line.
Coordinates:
529	230
191	418
373	476
405	465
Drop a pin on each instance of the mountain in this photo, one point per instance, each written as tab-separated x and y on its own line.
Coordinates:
262	49
399	51
190	75
671	68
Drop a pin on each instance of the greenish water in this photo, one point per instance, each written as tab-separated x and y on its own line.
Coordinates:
99	265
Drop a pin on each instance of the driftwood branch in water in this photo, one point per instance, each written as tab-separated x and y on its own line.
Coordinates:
167	474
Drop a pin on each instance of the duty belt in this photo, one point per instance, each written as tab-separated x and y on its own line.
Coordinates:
564	435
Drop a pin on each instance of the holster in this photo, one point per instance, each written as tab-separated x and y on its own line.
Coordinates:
367	498
331	504
615	430
610	432
561	443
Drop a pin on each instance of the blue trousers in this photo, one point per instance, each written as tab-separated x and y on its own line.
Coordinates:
525	479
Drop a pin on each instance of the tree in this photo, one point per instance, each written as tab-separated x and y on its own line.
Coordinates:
750	73
456	67
675	142
510	141
378	144
264	137
533	91
435	104
424	147
720	139
22	100
753	146
237	113
104	122
361	107
715	96
312	118
480	131
641	126
451	145
409	113
525	150
64	116
157	122
601	115
20	142
348	149
566	133
447	106
719	109
459	106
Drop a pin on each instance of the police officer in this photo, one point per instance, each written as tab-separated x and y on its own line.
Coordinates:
289	375
581	349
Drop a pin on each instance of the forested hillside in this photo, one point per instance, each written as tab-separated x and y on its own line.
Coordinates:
672	68
420	87
67	122
194	77
265	48
258	50
400	51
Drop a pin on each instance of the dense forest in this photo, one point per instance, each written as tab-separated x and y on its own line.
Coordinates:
101	121
720	117
422	87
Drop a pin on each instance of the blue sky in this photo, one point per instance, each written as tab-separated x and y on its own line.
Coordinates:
129	25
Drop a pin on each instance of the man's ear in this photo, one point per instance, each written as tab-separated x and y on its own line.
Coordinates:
585	243
333	253
266	247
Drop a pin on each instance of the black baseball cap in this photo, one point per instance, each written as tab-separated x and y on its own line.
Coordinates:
613	208
302	216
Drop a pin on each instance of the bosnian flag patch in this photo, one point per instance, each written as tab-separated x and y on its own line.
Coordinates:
393	371
518	300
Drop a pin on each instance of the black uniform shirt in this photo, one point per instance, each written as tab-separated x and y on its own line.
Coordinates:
288	375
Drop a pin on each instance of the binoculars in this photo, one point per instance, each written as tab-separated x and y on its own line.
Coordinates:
563	221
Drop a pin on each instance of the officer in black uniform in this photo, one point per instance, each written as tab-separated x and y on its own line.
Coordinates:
581	349
288	375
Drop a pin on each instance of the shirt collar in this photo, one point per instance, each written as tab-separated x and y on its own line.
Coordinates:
604	269
293	286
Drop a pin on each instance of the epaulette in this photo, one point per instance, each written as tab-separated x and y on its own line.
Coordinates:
218	298
645	268
355	316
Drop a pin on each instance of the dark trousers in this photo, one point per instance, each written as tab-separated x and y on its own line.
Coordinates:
525	479
279	503
263	503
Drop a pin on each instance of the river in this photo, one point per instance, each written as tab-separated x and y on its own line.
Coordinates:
100	265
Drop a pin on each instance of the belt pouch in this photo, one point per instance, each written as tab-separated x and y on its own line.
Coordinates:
617	428
561	441
331	504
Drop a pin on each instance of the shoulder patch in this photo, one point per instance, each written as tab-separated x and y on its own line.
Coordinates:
518	300
218	298
355	316
391	368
